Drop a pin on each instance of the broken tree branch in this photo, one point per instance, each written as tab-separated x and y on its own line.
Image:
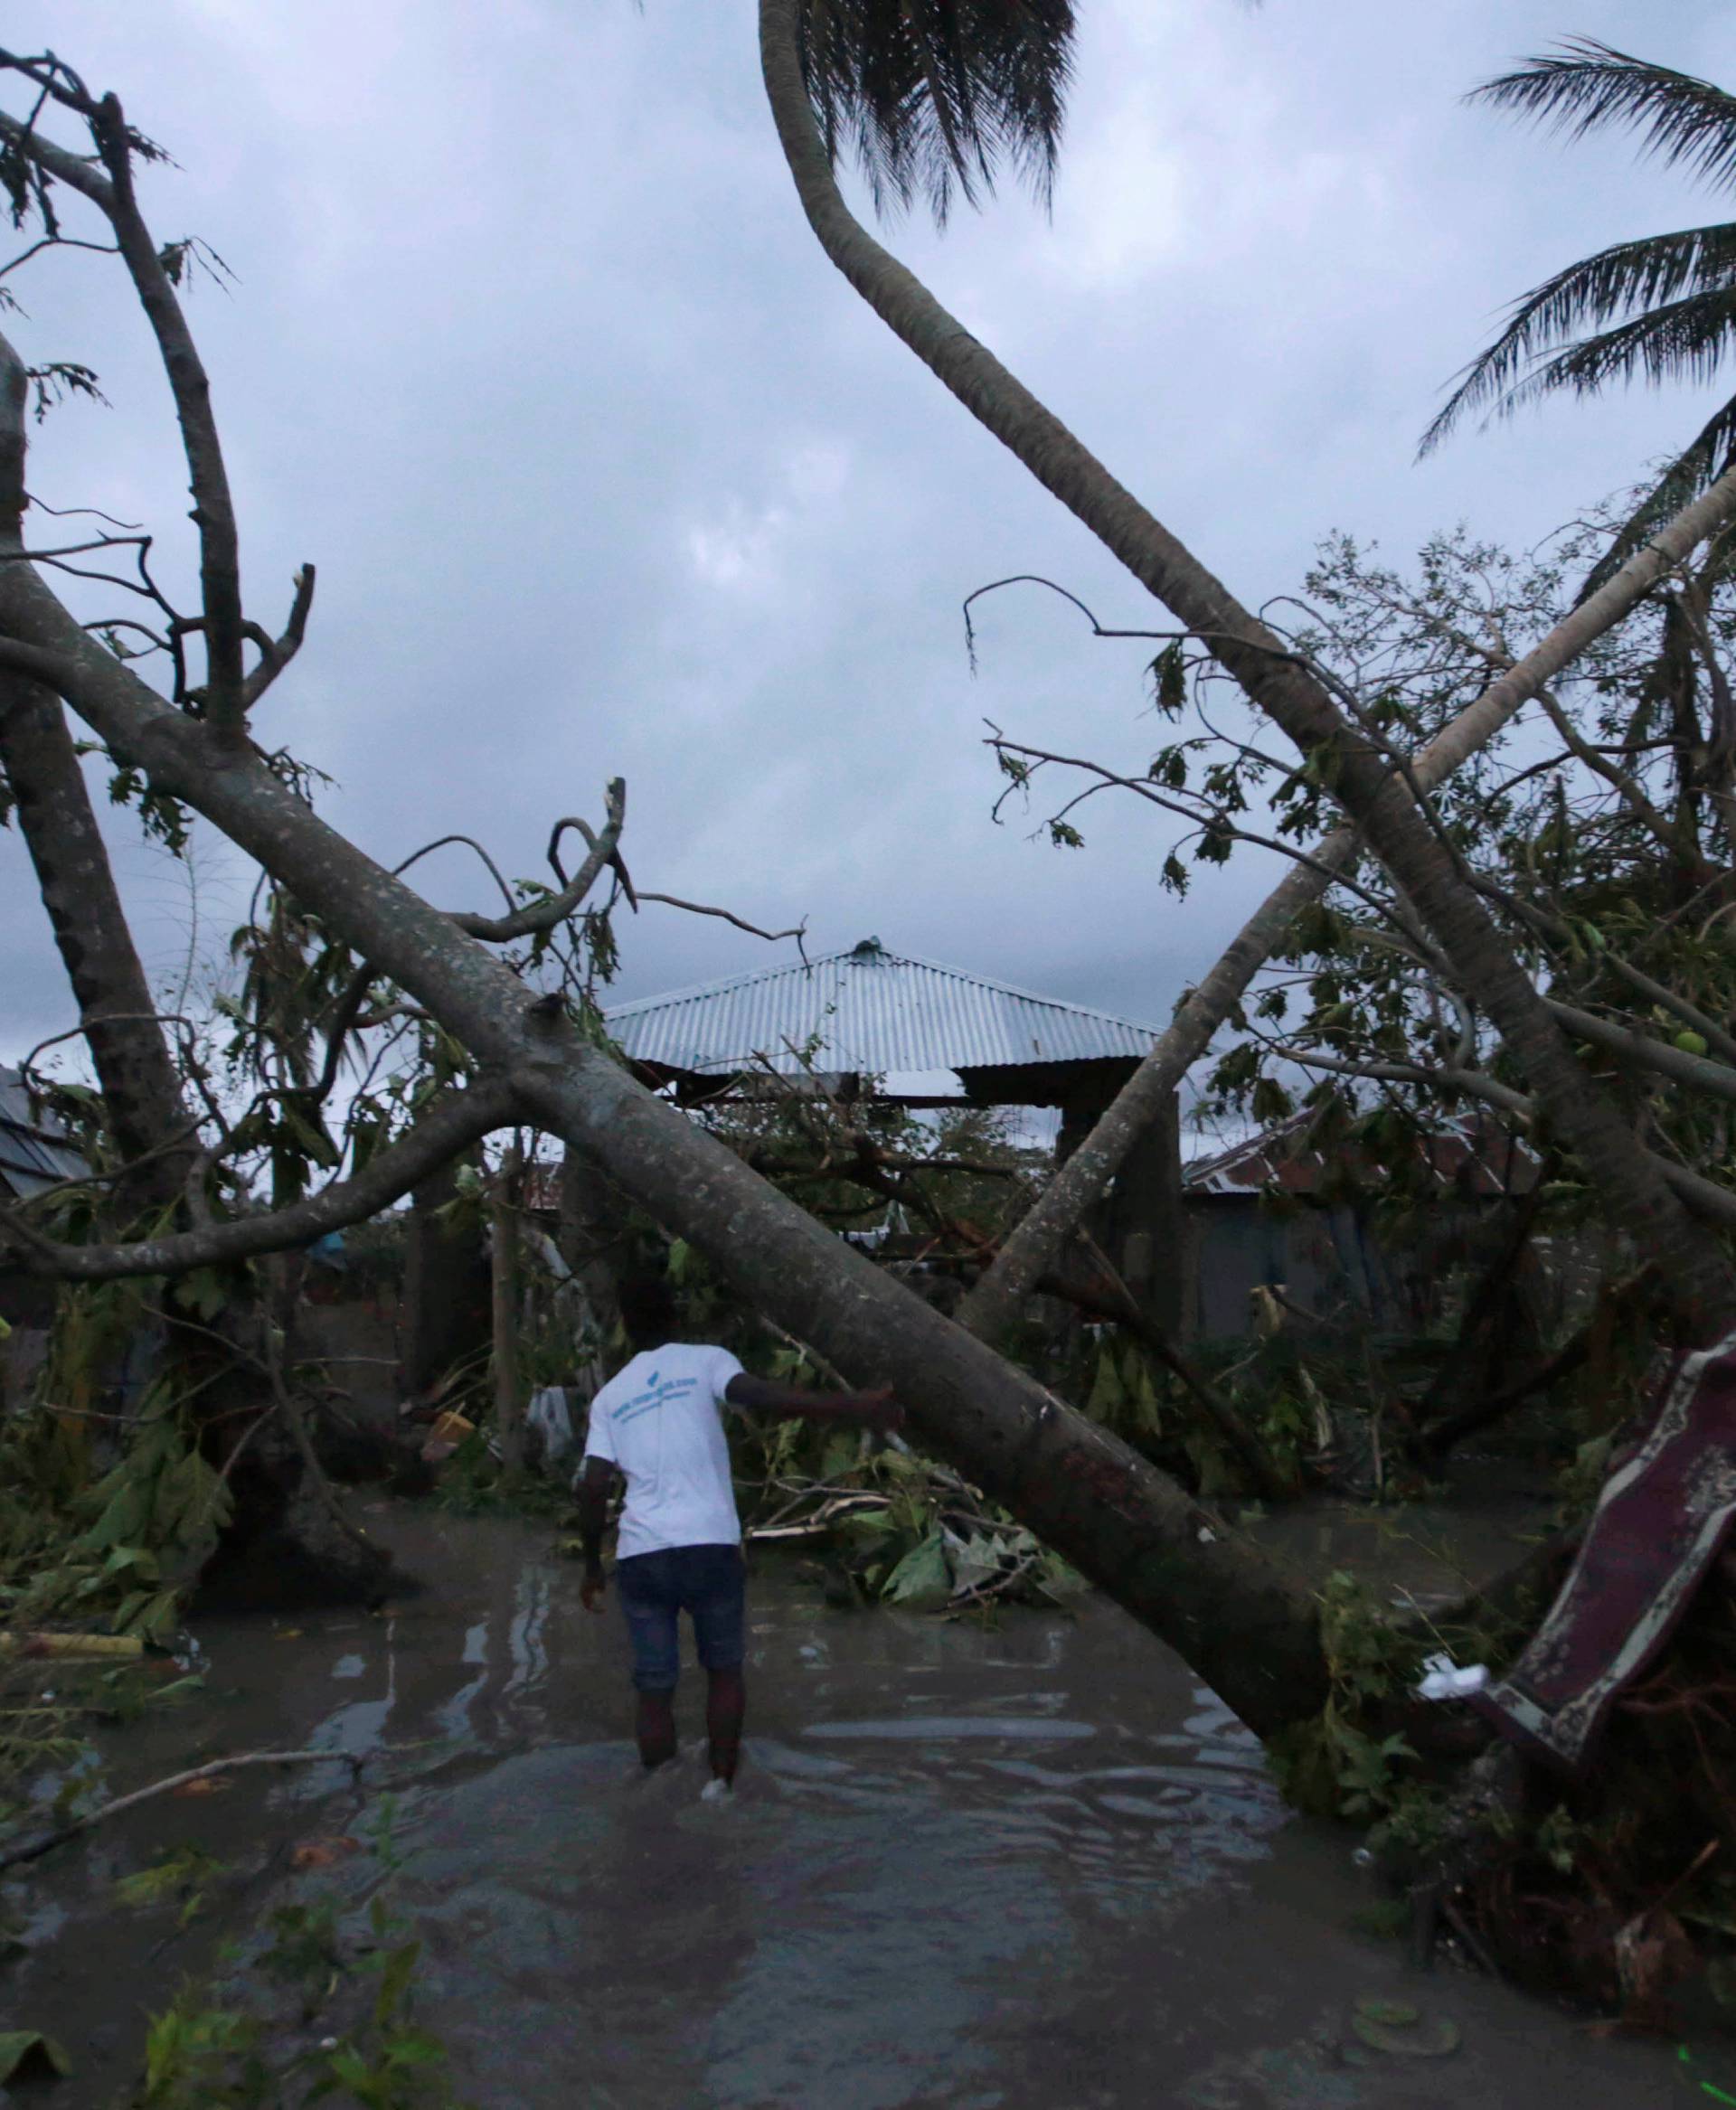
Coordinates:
545	915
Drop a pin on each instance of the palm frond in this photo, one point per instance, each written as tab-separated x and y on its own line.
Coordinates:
1584	84
1687	340
936	96
1698	263
1700	464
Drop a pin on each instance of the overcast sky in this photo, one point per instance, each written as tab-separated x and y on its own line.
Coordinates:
605	471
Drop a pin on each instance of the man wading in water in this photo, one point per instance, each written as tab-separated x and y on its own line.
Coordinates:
659	1424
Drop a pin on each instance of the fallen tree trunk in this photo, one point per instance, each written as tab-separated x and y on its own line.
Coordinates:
1231	1612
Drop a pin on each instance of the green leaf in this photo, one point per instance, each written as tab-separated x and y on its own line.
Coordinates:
1169	679
1270	1101
125	1516
839	1455
349	2067
1147	1414
394	1982
202	1292
977	1559
921	1581
26	2052
1107	1394
123	1557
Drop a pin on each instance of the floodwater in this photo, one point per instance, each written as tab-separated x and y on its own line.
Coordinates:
986	1865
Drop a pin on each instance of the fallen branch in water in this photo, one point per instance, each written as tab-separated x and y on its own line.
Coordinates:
34	1848
125	1645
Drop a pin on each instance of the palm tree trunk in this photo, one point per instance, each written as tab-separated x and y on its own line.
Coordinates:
1703	1284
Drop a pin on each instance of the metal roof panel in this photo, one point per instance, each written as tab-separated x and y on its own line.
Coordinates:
33	1155
869	1009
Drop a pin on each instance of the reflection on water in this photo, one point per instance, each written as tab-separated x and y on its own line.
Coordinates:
1028	1864
947	1728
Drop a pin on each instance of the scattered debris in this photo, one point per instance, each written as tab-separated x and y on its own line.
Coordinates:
1396	2027
1445	1680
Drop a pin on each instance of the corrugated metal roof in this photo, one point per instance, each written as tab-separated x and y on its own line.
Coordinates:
866	1009
32	1154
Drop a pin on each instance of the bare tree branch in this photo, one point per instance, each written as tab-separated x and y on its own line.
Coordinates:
438	1135
752	929
213	513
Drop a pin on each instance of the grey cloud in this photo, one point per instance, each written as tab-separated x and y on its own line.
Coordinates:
604	470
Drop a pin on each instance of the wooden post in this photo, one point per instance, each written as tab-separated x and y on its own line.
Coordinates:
592	1236
1144	1222
502	1221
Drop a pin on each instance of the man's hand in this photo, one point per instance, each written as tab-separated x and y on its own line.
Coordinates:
592	1487
878	1411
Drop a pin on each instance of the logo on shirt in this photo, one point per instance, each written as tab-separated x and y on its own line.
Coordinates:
658	1392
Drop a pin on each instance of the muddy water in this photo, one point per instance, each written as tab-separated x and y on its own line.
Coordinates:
987	1867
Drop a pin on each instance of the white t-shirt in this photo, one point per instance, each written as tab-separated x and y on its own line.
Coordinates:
660	1420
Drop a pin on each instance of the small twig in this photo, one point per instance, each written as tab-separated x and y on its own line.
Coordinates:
752	929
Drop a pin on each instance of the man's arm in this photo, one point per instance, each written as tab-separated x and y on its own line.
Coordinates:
594	1484
874	1409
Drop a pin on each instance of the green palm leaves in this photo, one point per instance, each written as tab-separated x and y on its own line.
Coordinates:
1662	308
936	96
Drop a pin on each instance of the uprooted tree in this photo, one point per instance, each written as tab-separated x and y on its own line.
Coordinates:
514	1053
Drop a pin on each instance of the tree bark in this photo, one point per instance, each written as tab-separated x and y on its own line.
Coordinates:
144	1109
1633	1193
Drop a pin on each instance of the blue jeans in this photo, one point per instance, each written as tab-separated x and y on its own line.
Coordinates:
707	1583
